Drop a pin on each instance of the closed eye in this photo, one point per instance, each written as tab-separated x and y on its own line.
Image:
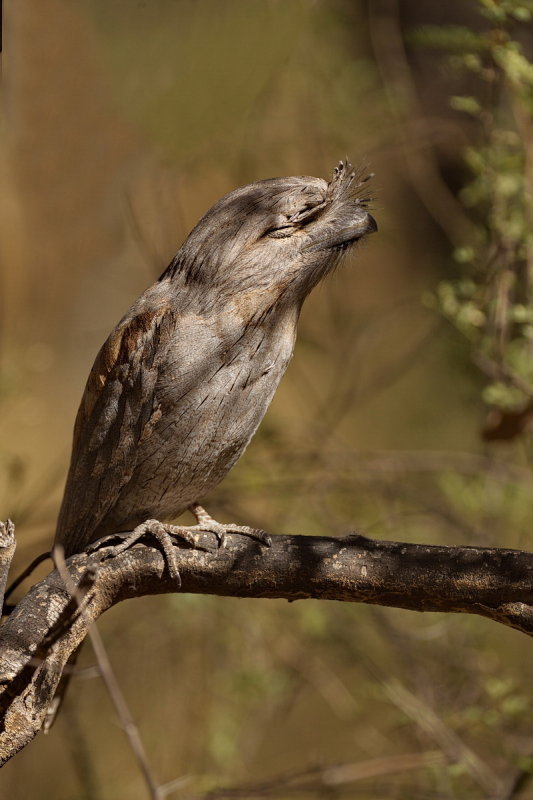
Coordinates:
297	219
279	231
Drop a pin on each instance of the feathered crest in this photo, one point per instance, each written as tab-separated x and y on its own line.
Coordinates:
350	184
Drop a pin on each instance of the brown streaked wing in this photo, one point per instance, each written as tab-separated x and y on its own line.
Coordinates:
118	402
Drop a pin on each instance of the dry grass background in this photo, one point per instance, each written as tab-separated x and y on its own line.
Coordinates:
121	124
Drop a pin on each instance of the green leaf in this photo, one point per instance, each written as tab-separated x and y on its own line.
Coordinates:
470	105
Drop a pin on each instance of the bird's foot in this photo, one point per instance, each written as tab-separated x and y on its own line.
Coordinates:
207	524
164	534
161	532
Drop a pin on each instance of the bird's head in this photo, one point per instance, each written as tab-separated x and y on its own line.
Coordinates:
279	236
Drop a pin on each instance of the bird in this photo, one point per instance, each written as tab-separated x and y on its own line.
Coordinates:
182	382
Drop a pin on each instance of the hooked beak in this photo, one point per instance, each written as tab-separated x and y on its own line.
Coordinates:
355	232
347	236
371	225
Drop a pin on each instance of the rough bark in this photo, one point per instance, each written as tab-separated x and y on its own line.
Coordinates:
47	625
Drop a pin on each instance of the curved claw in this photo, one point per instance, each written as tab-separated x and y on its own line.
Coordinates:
209	525
164	533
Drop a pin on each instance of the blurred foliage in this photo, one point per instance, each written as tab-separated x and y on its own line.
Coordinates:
492	302
124	122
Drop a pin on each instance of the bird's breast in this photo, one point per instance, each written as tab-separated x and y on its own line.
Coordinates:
211	395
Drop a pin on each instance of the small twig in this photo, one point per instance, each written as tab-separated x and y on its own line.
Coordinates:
330	778
71	611
500	371
25	572
424	716
517	784
7	551
109	678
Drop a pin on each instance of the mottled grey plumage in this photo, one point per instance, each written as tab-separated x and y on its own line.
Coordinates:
183	381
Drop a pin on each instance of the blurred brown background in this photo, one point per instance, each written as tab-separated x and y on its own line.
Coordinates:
122	122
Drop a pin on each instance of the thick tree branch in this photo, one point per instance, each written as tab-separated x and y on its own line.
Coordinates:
46	626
